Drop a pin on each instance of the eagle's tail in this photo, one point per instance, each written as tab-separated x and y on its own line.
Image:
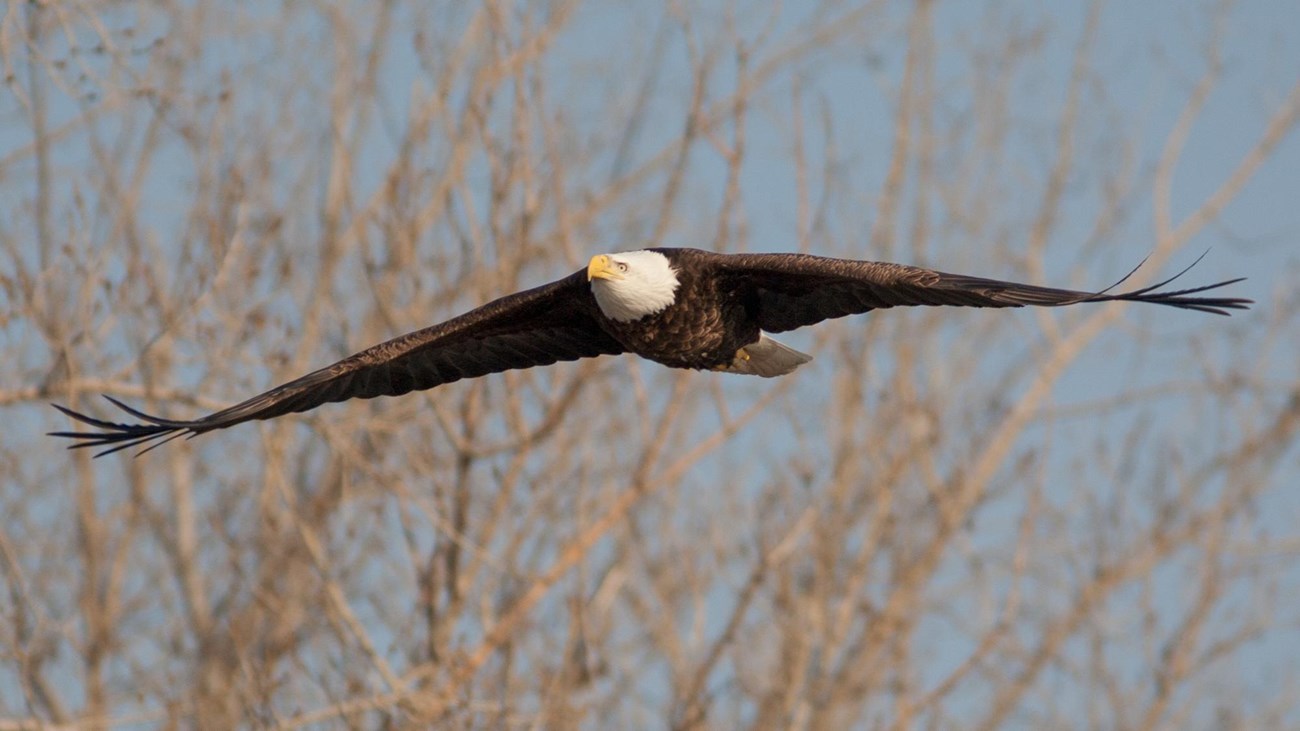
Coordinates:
767	358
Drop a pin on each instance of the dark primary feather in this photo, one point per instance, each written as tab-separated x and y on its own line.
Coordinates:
795	290
540	326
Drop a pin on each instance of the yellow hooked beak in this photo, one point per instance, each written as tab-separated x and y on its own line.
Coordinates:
602	267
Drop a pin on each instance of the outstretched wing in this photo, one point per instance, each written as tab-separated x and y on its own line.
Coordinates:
794	290
540	326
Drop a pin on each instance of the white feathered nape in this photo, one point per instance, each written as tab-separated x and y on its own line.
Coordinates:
643	283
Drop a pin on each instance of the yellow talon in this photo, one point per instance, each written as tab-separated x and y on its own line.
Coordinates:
741	356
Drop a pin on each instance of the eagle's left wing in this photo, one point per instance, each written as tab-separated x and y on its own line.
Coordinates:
540	326
794	290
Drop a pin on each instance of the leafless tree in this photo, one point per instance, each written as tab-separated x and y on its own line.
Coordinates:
1066	519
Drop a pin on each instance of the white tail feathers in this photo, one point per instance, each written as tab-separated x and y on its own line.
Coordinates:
767	358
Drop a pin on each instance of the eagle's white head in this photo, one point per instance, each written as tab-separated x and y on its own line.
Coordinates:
633	284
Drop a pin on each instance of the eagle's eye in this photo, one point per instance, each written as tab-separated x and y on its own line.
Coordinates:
622	267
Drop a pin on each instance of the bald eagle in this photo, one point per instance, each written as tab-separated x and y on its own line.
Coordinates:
684	308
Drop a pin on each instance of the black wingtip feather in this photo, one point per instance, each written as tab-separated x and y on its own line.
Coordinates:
117	436
1131	272
1178	298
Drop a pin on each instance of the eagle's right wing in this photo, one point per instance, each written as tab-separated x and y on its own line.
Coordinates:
536	327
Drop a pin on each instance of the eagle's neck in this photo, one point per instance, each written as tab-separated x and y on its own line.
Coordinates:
649	287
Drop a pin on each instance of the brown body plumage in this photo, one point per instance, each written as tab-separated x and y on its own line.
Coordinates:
696	309
711	320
